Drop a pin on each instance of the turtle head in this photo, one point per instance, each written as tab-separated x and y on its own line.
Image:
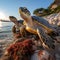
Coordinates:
24	13
14	20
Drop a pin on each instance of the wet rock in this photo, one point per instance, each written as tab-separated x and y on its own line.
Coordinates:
57	57
42	55
58	39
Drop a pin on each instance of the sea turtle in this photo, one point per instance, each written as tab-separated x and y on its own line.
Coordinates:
18	27
37	25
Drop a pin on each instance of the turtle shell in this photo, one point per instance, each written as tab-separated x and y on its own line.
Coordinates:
20	21
42	21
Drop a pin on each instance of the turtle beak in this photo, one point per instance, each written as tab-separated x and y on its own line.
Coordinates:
20	9
24	13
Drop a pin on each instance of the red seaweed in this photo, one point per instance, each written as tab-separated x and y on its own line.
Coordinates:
21	50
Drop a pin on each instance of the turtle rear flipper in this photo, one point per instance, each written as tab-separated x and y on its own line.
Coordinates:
45	40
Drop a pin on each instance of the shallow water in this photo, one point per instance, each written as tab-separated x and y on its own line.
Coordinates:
5	26
5	30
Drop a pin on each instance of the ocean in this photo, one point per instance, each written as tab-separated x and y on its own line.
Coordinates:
6	30
5	26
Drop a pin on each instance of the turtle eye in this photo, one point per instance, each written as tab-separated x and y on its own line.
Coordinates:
25	8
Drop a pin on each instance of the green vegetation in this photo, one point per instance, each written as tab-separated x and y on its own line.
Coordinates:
44	12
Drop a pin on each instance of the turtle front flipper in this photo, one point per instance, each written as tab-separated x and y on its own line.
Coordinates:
46	41
14	20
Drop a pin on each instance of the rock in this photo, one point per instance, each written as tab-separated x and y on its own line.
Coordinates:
57	56
55	4
42	55
58	39
53	19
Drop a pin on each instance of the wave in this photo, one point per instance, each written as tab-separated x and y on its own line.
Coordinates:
4	26
5	31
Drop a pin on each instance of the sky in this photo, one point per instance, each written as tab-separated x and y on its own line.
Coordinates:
10	7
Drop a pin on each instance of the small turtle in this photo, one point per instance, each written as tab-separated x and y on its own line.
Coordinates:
15	21
37	25
19	27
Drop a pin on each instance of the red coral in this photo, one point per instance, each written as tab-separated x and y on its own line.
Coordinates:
21	50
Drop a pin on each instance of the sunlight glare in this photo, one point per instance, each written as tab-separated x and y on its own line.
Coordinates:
0	24
2	15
